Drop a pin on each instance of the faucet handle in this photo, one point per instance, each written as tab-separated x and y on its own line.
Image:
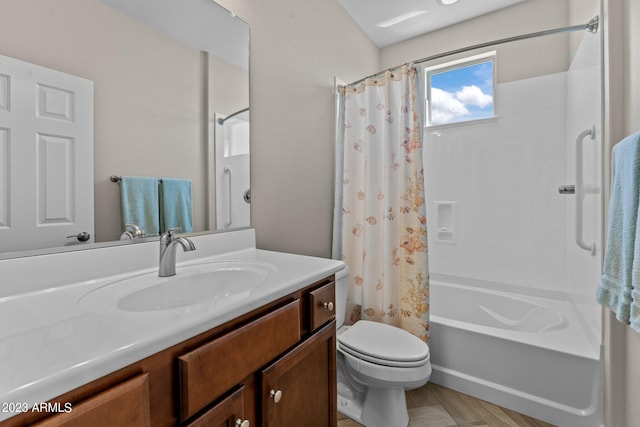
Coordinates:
167	236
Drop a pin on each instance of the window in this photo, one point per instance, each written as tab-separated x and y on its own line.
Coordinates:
461	91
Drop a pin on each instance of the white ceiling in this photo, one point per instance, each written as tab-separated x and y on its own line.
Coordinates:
370	14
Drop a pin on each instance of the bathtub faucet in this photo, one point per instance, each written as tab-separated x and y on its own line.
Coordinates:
168	243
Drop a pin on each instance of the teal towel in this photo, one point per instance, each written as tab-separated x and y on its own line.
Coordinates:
620	283
139	201
176	204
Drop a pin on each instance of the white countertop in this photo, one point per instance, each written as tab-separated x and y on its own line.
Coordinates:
49	344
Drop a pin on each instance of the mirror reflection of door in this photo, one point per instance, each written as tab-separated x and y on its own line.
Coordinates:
46	127
232	171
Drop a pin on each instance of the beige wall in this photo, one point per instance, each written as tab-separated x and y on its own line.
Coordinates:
581	11
297	47
148	92
514	60
228	87
623	67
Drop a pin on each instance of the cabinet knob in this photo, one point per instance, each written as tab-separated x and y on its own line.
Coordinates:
328	305
241	423
275	395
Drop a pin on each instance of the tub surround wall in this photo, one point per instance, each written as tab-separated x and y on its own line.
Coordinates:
515	233
584	110
485	168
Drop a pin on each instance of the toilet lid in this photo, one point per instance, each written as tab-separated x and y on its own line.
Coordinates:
384	343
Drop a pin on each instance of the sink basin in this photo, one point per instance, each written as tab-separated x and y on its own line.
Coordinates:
198	284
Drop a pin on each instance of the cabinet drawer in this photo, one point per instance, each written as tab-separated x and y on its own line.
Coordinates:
214	368
224	414
322	302
126	404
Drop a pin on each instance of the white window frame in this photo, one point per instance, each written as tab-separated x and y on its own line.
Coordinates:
452	65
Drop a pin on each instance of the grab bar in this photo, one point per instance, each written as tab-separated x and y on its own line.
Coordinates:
227	223
579	189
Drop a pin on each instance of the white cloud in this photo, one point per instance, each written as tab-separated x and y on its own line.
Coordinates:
445	107
448	106
473	95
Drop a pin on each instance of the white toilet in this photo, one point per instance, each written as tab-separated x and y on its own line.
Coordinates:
376	364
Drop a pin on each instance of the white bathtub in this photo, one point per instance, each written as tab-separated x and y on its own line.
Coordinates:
528	354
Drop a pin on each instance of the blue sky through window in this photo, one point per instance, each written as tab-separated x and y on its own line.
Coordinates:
461	94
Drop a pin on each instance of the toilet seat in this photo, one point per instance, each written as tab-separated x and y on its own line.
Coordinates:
383	345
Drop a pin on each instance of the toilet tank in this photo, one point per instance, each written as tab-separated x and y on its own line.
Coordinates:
342	286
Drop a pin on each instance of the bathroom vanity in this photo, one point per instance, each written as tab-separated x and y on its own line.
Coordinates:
262	356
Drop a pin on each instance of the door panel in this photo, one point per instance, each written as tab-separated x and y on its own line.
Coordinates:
4	175
46	156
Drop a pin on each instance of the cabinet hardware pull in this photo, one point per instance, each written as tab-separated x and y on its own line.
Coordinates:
275	395
328	305
240	423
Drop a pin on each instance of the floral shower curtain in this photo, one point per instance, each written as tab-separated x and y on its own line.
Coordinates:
380	211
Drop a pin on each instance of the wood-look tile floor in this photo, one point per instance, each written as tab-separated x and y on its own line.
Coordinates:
437	406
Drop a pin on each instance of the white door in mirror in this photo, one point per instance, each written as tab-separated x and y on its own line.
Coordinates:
46	156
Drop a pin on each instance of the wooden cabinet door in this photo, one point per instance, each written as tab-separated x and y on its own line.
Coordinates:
299	389
228	413
126	404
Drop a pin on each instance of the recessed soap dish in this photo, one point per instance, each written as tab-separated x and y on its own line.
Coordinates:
445	221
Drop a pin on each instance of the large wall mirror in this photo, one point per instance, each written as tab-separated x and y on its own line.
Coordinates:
166	95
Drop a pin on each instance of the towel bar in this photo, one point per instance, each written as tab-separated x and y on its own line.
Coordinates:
116	178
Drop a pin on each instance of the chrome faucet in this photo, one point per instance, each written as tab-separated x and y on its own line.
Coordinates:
137	232
168	243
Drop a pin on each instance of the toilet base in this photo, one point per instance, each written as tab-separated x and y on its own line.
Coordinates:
385	407
350	407
378	407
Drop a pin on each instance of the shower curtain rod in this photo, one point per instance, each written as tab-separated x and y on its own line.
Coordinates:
591	26
221	121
